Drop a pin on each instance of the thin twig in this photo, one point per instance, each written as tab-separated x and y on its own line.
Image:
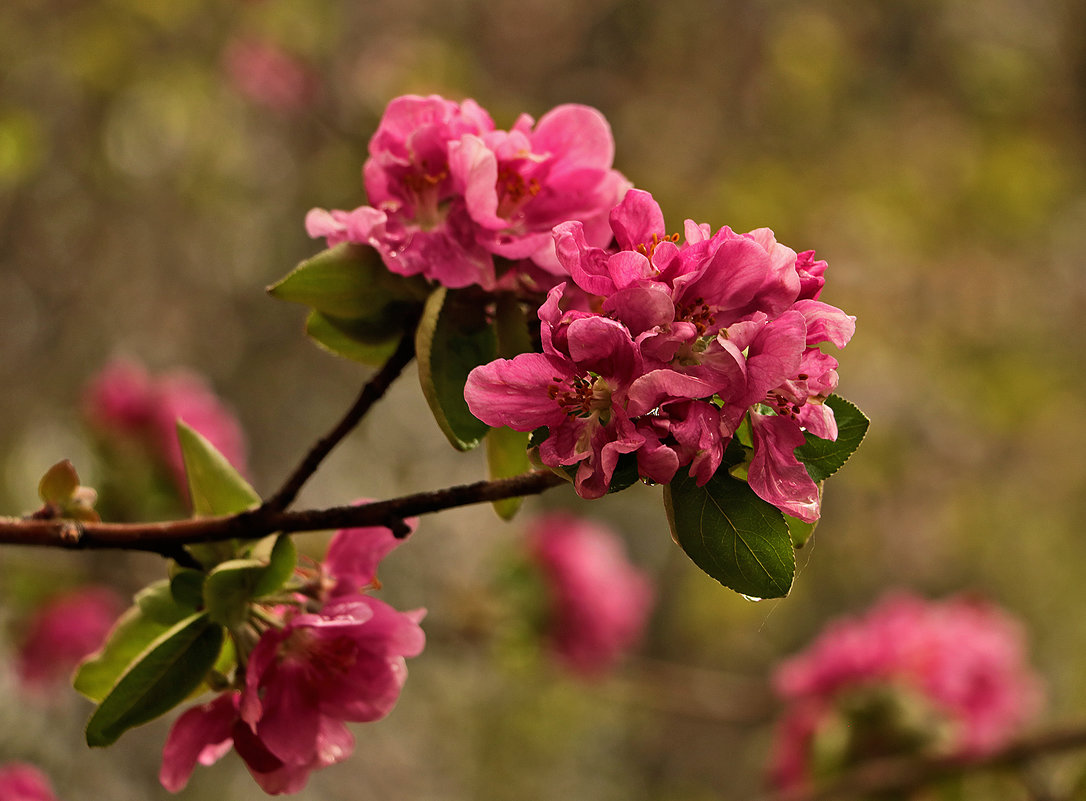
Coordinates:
905	775
373	391
167	537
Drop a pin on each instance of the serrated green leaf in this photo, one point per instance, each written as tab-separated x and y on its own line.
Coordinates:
131	635
158	602
353	342
59	483
453	337
824	457
217	488
732	534
229	588
162	676
507	455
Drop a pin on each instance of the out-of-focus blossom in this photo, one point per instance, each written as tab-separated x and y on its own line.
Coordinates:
269	75
963	659
63	631
123	400
306	677
599	601
21	782
448	192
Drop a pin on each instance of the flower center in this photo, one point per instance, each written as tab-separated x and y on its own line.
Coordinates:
514	191
423	187
584	396
647	249
699	313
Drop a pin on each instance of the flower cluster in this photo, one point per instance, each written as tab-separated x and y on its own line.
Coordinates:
449	193
683	342
961	659
124	401
599	602
21	782
342	660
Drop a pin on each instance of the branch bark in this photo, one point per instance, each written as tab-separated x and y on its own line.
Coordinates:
167	537
373	391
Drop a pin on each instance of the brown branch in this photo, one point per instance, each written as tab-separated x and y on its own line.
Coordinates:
167	537
886	776
371	393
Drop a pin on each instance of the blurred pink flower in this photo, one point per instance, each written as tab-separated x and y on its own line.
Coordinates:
269	75
964	657
123	400
21	782
64	630
599	602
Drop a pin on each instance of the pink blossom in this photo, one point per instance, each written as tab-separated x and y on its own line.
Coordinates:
22	782
306	676
206	733
576	388
351	560
726	325
963	656
266	74
599	601
124	401
448	192
65	629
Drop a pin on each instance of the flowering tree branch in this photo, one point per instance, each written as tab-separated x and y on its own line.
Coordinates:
374	389
167	537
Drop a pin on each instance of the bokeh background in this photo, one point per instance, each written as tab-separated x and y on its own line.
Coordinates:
932	151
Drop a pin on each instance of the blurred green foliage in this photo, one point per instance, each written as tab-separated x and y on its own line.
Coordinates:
932	151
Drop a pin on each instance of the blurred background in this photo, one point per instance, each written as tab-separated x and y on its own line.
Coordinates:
932	151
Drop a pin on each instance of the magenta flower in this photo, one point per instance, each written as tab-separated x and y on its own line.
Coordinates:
599	602
22	782
726	324
448	192
204	734
125	401
304	678
965	658
350	563
63	631
576	388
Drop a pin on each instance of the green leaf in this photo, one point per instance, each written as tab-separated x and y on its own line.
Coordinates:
824	457
279	568
351	341
229	588
507	455
453	337
158	602
162	676
799	530
187	586
59	483
133	632
732	534
348	281
216	487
